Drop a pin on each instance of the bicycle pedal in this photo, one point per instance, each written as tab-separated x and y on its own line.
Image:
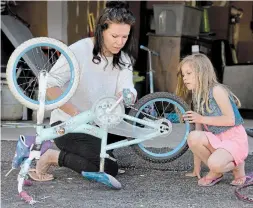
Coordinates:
127	96
112	158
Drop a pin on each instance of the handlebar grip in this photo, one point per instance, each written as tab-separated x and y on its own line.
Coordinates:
147	49
144	48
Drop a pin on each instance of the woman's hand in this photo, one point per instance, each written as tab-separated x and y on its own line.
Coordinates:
192	117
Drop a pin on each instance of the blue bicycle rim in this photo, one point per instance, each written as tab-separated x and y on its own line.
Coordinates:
181	144
71	67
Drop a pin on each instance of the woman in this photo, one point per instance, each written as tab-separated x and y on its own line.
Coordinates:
106	65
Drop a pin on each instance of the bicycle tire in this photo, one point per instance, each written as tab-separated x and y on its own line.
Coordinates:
37	42
145	155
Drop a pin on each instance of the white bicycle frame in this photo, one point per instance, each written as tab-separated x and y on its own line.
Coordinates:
82	123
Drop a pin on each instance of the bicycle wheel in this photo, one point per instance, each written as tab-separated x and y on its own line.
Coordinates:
29	59
165	108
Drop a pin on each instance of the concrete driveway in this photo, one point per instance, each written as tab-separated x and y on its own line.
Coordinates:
144	184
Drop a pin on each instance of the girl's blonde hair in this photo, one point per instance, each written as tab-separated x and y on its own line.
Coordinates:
206	80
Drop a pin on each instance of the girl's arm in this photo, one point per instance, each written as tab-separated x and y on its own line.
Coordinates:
226	119
198	127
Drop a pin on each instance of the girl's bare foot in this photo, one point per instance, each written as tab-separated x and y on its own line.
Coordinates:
239	175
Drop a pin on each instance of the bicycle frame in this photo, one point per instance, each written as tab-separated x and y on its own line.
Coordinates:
81	123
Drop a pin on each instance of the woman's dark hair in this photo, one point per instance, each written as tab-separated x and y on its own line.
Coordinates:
115	12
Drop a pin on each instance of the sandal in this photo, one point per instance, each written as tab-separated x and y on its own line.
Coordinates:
212	181
242	180
41	176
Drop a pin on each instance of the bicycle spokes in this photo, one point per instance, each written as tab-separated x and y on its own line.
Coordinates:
32	62
167	112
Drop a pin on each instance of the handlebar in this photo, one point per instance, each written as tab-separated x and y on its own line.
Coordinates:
147	49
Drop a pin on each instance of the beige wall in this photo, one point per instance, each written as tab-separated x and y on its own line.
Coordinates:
67	23
35	13
78	21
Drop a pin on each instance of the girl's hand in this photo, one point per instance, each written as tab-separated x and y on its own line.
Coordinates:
192	117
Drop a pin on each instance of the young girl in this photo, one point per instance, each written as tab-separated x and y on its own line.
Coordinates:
219	140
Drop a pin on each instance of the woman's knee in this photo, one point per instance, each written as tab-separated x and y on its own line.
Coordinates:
194	138
59	142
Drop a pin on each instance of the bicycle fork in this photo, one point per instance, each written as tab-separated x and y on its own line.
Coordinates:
36	148
150	73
